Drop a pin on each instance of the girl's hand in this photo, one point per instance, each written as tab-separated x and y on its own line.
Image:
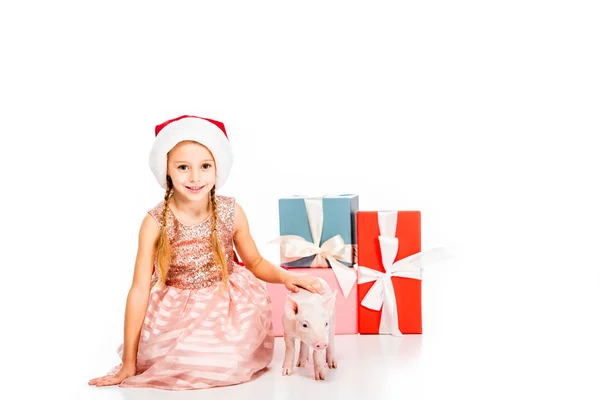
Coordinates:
126	371
295	281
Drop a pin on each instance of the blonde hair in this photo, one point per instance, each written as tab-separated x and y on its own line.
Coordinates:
163	246
217	250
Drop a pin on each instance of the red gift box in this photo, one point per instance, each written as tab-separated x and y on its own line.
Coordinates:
398	242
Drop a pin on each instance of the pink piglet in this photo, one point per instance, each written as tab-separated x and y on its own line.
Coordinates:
310	317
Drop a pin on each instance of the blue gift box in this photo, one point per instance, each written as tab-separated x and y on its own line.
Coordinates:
338	218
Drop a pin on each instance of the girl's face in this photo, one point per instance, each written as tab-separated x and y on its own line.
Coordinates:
192	169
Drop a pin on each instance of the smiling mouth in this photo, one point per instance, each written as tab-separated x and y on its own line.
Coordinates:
195	188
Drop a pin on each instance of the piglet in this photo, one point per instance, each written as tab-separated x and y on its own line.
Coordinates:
310	317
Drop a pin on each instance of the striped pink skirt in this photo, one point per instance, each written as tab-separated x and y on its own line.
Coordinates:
201	338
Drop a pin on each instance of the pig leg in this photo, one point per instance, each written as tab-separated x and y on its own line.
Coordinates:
290	351
330	351
319	363
303	356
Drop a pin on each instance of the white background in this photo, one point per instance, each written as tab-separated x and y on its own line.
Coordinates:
482	115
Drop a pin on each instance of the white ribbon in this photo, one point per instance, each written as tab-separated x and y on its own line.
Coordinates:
334	250
381	293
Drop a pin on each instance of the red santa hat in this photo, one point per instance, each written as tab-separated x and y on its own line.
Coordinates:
207	132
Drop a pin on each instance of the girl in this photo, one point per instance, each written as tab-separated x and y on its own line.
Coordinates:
195	316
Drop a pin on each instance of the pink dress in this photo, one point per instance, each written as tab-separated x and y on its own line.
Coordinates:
194	334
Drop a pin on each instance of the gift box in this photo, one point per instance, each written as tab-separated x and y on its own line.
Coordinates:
389	304
346	312
319	232
317	220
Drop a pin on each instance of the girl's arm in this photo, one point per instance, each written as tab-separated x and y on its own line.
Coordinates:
264	269
137	299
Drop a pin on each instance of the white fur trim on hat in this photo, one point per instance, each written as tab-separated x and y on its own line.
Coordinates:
198	130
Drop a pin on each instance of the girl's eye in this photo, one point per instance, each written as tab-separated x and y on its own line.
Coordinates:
182	167
206	166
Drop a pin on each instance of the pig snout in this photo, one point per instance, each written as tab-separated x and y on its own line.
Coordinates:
320	345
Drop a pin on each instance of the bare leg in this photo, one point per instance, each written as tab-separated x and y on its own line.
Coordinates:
290	351
303	356
319	363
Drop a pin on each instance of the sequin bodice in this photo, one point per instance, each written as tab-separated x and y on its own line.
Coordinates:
192	258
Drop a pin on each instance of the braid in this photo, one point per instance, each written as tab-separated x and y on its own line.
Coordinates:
218	251
163	247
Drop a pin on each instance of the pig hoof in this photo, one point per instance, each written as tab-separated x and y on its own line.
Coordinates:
320	375
332	364
287	371
302	362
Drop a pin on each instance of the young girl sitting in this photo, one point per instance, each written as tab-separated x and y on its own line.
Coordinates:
195	316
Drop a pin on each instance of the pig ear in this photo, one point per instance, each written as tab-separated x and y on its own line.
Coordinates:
329	302
291	307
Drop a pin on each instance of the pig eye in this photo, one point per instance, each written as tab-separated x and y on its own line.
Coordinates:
326	323
305	325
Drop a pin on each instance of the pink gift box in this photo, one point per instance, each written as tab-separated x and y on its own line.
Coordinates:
346	309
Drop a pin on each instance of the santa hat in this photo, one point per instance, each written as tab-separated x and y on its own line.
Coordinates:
207	132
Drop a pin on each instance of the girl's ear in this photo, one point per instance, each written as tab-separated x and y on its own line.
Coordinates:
290	308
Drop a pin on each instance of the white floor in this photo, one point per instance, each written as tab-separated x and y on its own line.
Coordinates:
369	367
409	367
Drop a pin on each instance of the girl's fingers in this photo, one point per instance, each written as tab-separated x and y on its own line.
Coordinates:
95	380
107	382
319	287
104	381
